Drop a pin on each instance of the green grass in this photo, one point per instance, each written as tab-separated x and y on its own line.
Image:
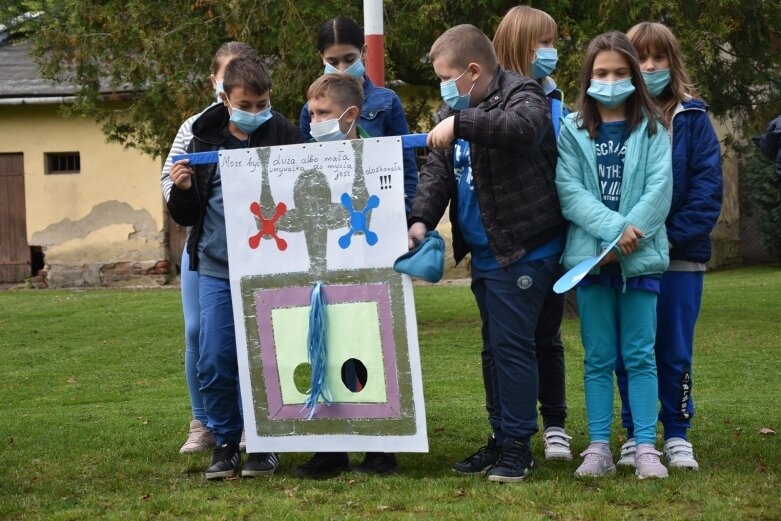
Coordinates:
95	408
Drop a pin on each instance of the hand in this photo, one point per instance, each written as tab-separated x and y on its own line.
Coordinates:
443	135
417	232
182	175
607	259
629	240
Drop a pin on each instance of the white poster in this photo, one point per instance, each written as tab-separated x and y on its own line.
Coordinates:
328	213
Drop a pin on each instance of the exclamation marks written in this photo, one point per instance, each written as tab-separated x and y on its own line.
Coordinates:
385	182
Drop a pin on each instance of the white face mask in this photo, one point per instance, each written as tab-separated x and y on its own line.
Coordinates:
329	130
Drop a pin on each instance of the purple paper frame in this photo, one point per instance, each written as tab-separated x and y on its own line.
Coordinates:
267	300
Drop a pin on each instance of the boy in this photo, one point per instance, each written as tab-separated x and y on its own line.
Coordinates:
243	120
335	102
494	161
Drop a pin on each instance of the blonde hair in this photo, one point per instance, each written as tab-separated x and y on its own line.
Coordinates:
341	88
462	45
651	37
519	34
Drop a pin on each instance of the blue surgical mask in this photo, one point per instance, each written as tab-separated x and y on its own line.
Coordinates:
656	81
217	90
249	122
329	130
545	62
611	93
356	70
449	91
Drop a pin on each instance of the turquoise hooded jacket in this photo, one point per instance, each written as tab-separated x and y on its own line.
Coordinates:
646	192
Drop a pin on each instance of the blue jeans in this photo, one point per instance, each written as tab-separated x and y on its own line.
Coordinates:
218	370
550	363
192	327
613	320
510	301
677	311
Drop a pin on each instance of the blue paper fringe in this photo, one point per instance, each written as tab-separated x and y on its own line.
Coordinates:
317	350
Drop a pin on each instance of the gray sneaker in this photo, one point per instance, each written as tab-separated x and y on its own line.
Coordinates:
597	461
199	439
628	453
647	462
680	454
260	464
556	443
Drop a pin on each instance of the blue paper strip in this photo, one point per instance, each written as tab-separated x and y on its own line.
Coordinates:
199	158
205	158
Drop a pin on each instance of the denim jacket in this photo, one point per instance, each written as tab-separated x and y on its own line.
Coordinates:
382	116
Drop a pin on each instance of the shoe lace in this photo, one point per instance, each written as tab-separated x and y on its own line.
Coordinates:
648	458
222	452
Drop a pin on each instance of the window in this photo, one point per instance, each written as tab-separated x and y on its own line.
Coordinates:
63	163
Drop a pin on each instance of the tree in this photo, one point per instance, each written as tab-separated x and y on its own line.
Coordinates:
162	51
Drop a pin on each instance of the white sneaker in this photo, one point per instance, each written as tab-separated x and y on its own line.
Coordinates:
680	454
647	462
199	439
627	454
243	442
597	461
556	443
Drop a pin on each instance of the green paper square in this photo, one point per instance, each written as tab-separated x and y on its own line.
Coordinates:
353	331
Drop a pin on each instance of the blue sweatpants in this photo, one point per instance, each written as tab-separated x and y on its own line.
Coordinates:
192	327
612	320
677	311
218	370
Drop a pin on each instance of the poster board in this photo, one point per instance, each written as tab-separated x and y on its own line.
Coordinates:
331	213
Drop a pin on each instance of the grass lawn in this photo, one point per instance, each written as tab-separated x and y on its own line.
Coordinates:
95	409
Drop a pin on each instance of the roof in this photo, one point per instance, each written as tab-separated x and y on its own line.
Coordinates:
19	76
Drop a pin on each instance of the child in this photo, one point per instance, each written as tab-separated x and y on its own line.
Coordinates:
524	44
199	438
614	179
341	46
334	102
244	119
493	161
696	204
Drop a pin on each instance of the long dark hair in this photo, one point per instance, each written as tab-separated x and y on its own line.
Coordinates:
638	104
339	30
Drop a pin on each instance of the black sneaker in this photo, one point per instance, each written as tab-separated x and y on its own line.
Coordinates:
379	463
482	460
515	462
260	464
322	465
225	461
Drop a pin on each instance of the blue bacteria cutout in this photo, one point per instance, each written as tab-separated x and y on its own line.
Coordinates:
359	221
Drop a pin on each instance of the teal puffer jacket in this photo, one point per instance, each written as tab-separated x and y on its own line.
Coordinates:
646	191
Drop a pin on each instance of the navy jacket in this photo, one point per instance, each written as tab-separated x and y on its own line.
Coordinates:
697	183
210	131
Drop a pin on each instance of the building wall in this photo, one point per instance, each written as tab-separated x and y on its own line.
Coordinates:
102	226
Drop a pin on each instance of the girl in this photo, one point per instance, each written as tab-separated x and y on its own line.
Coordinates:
614	179
199	438
696	204
341	46
524	44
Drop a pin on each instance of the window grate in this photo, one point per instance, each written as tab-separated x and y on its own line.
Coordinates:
63	163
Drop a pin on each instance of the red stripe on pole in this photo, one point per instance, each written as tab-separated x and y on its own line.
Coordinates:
375	58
